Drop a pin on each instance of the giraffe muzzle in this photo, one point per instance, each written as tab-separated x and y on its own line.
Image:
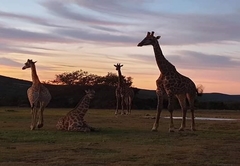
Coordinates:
140	45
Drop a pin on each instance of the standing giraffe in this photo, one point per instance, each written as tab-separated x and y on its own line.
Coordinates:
38	95
74	120
173	83
123	92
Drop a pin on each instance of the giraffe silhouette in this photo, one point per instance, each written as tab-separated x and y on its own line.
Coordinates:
123	92
38	95
173	84
74	120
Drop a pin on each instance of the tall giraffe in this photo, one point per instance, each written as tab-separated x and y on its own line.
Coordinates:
173	83
38	95
74	120
123	92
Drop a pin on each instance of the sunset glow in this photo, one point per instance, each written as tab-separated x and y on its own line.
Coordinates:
200	38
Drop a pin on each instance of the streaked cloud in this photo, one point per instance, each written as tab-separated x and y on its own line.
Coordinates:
9	62
93	35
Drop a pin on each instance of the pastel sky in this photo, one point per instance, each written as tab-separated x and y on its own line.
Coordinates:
201	38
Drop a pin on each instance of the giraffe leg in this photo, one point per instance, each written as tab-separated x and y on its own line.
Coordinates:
127	105
159	110
60	123
91	128
170	109
130	105
182	102
116	112
40	119
191	104
193	121
34	111
122	103
79	126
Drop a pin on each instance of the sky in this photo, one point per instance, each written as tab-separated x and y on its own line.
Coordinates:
200	38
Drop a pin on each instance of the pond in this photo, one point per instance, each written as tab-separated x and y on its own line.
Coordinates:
206	118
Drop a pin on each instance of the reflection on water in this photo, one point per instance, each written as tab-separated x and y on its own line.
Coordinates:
205	118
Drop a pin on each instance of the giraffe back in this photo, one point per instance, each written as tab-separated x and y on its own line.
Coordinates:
38	93
127	91
176	83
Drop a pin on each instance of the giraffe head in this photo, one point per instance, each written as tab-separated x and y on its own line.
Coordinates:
150	39
90	93
28	64
118	66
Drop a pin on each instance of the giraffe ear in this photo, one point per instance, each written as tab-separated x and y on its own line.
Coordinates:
35	62
115	65
158	37
121	66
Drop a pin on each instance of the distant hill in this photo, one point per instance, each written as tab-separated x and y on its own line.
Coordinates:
206	97
13	93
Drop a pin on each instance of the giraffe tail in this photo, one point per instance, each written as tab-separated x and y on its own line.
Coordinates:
199	90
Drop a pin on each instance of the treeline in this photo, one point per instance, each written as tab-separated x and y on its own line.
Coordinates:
81	77
67	96
13	92
219	105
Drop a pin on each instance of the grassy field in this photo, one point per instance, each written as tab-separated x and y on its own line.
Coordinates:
122	140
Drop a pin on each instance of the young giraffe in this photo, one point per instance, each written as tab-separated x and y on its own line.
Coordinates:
74	120
123	92
173	83
38	95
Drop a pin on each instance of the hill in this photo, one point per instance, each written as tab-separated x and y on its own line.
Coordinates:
13	93
206	97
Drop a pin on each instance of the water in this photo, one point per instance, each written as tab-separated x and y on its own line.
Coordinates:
206	118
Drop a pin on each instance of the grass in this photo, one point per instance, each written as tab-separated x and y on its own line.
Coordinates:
122	140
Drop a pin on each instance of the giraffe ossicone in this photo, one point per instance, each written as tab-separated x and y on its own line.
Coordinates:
173	84
74	120
38	95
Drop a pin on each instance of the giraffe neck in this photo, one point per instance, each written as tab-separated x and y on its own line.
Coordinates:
163	64
83	106
119	78
35	78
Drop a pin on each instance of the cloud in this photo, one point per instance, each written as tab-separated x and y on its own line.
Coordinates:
149	59
12	63
115	8
31	19
9	62
124	17
183	29
91	37
18	49
15	35
192	60
65	10
112	21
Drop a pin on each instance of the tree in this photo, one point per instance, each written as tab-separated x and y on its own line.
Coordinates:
81	77
112	79
78	77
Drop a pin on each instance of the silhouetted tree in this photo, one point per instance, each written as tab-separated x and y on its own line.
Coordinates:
111	79
81	77
78	77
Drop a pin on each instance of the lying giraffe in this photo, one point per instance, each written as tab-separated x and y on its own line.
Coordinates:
173	83
38	95
123	92
74	120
